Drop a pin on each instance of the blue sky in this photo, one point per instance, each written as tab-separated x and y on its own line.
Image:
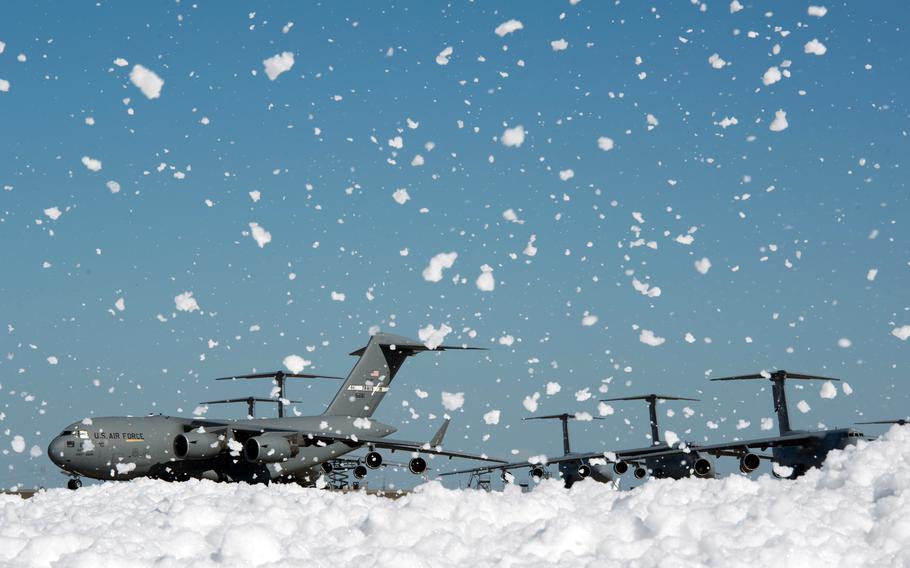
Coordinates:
792	220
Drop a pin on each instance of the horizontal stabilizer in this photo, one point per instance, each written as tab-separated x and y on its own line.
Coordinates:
247	399
901	421
410	346
278	375
563	416
648	397
776	376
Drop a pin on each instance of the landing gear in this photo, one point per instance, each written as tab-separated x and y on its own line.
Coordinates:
74	484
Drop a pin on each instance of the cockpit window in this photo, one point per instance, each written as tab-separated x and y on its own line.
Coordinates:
66	433
83	434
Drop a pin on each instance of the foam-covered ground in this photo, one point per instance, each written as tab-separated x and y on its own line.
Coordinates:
854	512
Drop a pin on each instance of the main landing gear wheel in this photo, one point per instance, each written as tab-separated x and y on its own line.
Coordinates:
74	484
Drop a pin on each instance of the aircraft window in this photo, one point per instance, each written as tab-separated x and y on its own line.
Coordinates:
66	433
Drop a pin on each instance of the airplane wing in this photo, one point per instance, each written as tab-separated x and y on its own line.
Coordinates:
726	448
609	457
490	468
399	445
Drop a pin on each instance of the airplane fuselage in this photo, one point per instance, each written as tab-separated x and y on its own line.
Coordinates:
129	447
802	458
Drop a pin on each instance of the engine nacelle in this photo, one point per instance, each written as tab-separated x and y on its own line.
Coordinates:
703	468
417	465
327	467
373	460
602	473
584	470
749	463
196	445
360	472
538	472
269	448
620	468
640	473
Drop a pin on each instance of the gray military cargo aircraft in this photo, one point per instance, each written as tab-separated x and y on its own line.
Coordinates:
794	451
657	460
255	450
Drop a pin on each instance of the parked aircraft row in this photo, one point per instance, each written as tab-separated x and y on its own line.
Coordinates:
301	449
793	452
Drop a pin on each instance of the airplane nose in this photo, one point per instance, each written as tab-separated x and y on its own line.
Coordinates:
55	451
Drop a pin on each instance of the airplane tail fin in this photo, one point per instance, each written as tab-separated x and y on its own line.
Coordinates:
437	438
371	376
778	391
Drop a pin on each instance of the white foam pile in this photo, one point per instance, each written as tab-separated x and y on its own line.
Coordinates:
854	512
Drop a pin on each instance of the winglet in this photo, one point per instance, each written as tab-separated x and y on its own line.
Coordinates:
437	438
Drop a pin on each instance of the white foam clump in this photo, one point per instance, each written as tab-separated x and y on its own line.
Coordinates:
508	27
452	401
716	61
295	363
53	213
649	338
260	235
278	64
815	47
432	337
486	282
817	11
771	76
513	137
147	80
780	121
440	262
18	444
605	143
851	513
444	55
185	302
401	196
91	164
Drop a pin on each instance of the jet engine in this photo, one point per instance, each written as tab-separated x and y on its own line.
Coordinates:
417	465
749	462
269	448
620	467
195	445
703	468
601	473
537	472
584	470
360	472
640	473
373	460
